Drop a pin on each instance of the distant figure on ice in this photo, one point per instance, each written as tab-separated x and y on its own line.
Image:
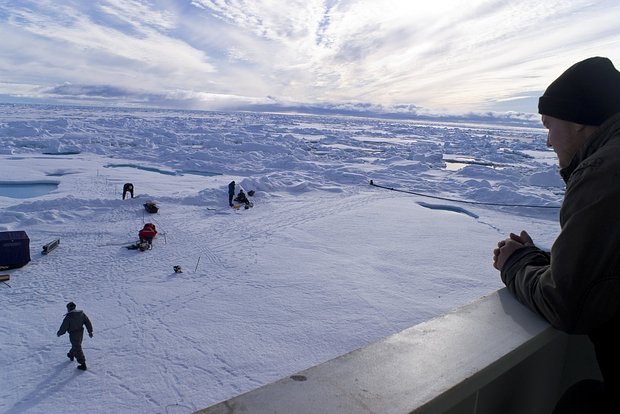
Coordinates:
241	198
74	323
231	193
127	188
147	234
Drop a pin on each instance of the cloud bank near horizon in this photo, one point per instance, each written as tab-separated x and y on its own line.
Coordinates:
454	56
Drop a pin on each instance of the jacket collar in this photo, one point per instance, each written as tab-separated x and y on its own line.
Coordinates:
604	133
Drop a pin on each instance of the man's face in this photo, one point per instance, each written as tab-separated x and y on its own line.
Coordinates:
565	138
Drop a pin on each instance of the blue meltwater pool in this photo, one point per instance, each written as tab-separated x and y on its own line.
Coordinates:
25	189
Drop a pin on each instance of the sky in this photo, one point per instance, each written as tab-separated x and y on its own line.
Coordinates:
413	57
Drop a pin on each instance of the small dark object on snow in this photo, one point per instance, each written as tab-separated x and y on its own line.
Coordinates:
177	269
4	279
151	207
251	193
142	246
50	246
145	246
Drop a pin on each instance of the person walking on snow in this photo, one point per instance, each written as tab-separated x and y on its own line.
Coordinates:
74	323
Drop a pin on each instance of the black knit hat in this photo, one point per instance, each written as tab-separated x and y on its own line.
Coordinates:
70	306
587	93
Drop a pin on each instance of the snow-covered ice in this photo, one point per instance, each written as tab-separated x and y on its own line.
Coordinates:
324	263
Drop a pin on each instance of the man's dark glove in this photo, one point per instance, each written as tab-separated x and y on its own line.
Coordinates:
90	334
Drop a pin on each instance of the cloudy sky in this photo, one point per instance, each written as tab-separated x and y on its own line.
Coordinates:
443	56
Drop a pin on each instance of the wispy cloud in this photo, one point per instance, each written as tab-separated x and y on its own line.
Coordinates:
451	56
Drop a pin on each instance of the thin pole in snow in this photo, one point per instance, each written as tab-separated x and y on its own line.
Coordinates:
196	268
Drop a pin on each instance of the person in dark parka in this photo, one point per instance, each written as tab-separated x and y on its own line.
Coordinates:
231	193
74	323
576	286
242	198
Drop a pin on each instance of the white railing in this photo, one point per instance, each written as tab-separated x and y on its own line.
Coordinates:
491	356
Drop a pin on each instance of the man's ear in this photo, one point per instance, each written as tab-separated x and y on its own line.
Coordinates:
584	130
579	127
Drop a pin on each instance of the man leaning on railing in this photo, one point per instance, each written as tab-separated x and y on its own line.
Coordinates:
576	287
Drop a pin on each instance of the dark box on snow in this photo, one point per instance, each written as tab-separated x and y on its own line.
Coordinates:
14	249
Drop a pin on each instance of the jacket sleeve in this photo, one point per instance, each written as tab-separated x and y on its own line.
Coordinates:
577	287
89	326
63	327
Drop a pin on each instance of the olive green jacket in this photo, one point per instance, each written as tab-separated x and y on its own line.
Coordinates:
73	321
576	287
